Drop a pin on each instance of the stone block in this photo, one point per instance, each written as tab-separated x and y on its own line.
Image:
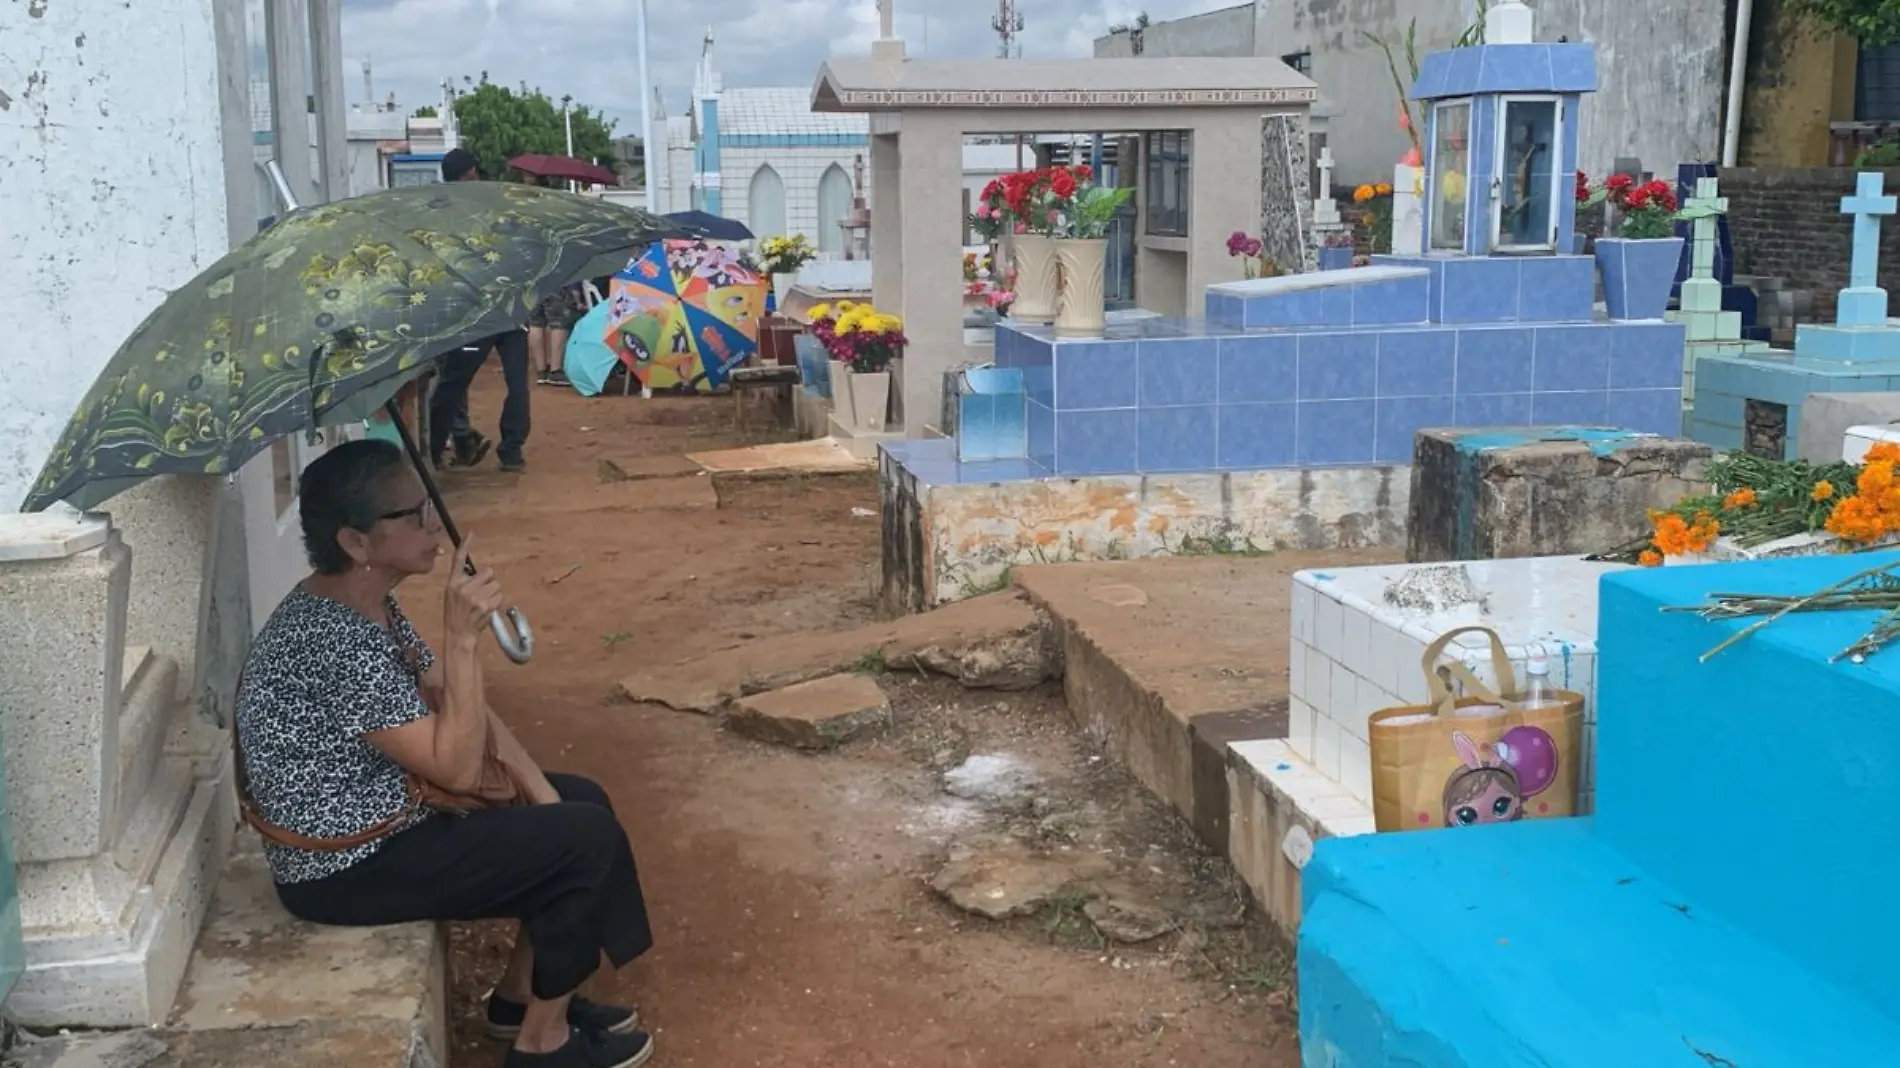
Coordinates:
1827	417
820	714
1486	494
62	624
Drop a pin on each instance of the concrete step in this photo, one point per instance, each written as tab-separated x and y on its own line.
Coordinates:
264	988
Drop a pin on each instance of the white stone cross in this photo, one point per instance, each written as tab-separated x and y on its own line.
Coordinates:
1325	209
1863	302
1704	208
1325	190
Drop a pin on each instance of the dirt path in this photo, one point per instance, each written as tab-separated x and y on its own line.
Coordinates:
795	925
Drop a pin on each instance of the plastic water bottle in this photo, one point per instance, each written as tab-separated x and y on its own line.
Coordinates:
1538	691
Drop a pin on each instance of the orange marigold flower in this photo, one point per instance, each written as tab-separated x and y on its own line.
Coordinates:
1822	491
1882	451
1649	558
1856	518
1875	478
1741	498
1672	534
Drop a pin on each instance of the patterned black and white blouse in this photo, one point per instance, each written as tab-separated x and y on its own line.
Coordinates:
319	678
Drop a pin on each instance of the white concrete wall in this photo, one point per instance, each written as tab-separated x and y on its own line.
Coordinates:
1662	74
114	190
799	167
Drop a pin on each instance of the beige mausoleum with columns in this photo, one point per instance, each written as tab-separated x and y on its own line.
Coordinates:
922	110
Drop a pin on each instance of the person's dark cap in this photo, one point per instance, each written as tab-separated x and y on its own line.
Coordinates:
458	164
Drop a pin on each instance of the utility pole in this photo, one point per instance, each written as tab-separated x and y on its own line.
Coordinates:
1007	23
646	110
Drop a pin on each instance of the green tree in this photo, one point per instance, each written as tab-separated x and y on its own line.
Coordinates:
1871	22
497	123
425	112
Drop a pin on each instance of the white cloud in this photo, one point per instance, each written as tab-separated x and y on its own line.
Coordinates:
588	49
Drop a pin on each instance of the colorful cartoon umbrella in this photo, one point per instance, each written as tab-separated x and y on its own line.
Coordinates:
684	314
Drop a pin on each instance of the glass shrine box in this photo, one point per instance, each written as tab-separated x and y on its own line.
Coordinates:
1501	146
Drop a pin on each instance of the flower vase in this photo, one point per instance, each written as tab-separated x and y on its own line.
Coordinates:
1080	309
1638	274
1037	279
840	379
782	286
1335	257
870	400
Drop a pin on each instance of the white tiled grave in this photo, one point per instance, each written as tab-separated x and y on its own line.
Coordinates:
1355	652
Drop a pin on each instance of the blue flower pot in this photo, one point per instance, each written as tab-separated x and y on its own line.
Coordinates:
1335	257
1638	274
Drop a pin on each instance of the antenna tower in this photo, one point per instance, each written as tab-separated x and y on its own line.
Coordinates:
1008	22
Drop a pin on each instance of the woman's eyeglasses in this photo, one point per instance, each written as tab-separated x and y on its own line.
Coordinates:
423	513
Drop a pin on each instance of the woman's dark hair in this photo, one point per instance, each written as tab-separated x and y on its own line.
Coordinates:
343	489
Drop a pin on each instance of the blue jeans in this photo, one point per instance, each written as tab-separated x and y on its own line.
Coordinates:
448	407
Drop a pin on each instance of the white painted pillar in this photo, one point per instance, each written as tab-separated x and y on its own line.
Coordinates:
333	145
286	29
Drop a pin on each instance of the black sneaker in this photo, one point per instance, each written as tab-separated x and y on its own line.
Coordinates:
504	1017
513	463
473	451
584	1050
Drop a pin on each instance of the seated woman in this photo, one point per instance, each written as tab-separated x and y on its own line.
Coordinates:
346	721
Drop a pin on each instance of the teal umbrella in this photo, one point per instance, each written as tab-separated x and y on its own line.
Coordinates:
589	361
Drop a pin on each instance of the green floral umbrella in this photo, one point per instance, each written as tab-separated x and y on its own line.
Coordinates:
321	319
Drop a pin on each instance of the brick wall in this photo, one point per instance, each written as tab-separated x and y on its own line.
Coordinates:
1787	224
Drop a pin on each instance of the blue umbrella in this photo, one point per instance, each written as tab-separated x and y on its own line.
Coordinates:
712	227
588	360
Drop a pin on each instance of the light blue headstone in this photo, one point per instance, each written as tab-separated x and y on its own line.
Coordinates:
1863	302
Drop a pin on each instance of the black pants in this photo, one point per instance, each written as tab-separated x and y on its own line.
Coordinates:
565	871
448	408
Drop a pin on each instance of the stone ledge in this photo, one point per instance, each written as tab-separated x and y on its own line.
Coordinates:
50	535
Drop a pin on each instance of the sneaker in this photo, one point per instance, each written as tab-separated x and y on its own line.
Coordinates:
585	1050
513	463
473	451
504	1017
559	378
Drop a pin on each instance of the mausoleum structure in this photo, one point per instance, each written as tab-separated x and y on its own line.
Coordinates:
922	110
1752	400
1286	415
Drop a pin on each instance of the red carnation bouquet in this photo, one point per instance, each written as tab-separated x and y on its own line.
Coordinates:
1644	209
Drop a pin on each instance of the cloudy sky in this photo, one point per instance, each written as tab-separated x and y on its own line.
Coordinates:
587	48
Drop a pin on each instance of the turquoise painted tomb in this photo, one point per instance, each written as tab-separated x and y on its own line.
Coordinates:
1494	326
1727	904
1752	400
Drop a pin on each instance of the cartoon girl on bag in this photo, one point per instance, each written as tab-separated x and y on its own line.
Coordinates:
1484	790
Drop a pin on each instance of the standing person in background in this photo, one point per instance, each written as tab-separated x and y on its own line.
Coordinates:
548	330
458	369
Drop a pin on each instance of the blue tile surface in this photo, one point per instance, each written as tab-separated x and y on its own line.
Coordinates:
1325	306
1656	411
1396	300
1399	418
1175	371
1571	358
1479	290
1496	360
1338	366
1256	435
1492	409
1417	363
1573	69
1096	442
991	426
1259	368
1645	355
1509	68
1335	432
1556	289
1042	434
1095	374
1177	439
1587	407
1223	308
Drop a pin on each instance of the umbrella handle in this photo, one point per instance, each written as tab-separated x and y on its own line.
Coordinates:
513	633
511	627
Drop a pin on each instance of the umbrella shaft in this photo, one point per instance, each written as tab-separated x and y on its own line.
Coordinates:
424	472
